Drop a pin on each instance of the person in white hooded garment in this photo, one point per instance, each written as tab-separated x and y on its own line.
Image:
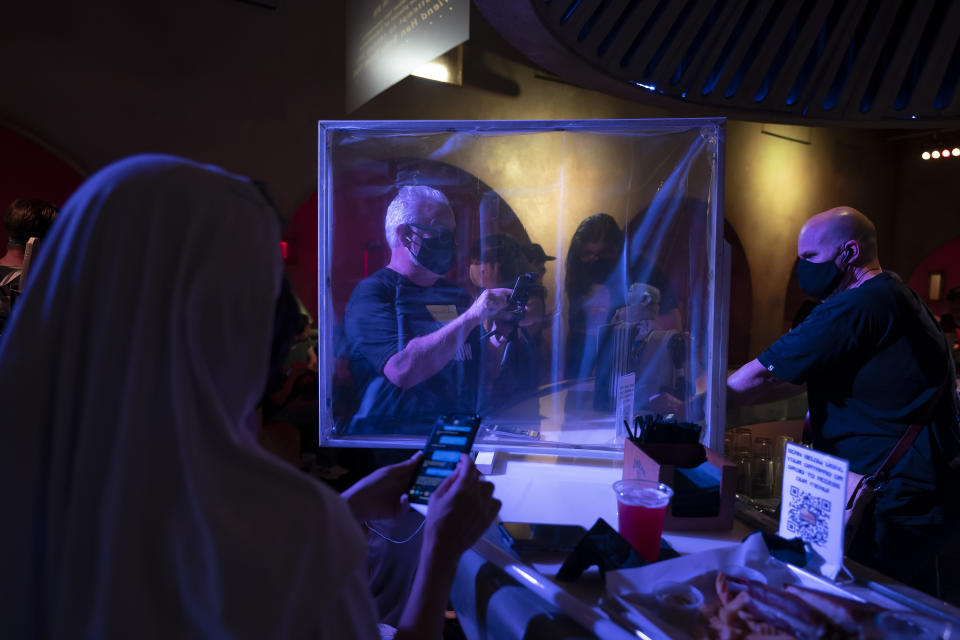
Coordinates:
136	499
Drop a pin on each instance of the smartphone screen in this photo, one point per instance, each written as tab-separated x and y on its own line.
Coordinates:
526	536
451	436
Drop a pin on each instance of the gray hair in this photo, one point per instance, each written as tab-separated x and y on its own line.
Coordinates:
403	208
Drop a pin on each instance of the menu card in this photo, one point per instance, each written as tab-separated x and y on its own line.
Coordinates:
625	388
812	503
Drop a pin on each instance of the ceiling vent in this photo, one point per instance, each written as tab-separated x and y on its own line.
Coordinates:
868	61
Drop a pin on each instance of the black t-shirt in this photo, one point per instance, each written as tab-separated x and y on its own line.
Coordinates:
875	361
385	312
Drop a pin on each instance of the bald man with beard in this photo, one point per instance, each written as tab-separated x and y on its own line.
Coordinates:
873	361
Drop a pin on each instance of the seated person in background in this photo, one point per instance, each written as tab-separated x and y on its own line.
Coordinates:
413	337
596	287
291	397
595	251
24	219
137	500
537	258
496	261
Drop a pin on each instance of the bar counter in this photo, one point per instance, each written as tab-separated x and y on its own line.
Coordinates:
498	595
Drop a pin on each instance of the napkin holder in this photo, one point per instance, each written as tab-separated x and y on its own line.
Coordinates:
660	461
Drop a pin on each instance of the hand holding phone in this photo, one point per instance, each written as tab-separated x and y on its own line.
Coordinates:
383	493
461	509
451	436
522	289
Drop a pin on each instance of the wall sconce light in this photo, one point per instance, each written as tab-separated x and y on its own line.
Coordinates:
447	68
935	286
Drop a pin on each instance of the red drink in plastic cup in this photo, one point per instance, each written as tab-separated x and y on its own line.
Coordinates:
641	506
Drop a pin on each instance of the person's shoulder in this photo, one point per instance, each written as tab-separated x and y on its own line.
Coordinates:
879	299
877	289
382	277
443	284
883	290
377	284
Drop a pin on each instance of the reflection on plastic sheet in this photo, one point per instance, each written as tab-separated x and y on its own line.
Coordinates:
519	270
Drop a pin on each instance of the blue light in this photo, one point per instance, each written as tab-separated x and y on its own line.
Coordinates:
648	87
442	455
436	471
683	95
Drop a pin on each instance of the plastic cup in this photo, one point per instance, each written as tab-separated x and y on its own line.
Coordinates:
641	507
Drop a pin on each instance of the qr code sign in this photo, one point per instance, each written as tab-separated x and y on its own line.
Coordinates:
808	516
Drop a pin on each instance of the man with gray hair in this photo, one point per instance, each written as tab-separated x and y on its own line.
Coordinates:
413	336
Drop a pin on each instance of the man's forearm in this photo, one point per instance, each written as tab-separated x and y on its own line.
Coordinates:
425	356
753	384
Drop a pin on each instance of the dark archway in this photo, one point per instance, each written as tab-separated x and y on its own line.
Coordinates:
795	299
741	300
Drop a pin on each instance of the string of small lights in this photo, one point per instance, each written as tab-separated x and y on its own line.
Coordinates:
936	154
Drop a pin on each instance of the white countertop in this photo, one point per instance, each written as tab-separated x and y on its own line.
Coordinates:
555	490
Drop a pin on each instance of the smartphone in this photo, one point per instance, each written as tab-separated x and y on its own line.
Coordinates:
522	289
520	295
527	536
451	436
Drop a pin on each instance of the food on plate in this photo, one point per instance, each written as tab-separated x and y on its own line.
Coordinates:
678	595
753	610
847	614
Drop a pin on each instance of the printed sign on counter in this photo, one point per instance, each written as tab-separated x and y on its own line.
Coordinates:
625	390
813	501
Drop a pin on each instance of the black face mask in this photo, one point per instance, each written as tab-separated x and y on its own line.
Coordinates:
818	279
437	253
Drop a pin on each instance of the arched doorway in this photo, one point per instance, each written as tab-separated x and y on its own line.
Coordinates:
944	261
741	300
797	304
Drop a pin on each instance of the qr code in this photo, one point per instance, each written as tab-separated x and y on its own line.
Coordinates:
808	516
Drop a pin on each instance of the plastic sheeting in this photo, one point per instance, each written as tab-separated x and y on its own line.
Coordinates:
627	319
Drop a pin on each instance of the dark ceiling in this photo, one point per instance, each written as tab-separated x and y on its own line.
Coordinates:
889	63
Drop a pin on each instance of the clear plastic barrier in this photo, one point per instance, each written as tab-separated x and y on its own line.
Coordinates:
600	243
